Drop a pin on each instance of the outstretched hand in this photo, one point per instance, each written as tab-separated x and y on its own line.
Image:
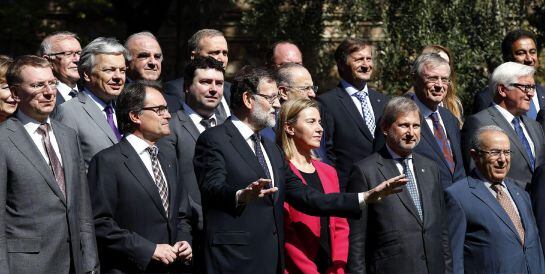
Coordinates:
385	188
256	190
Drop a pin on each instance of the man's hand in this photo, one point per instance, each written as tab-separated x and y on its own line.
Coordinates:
165	253
385	188
184	251
255	190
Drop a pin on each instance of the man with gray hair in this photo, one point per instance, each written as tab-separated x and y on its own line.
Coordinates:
491	225
406	232
63	51
102	66
294	81
205	42
514	88
440	129
145	57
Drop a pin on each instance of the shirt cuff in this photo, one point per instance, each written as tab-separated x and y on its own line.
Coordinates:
237	195
361	200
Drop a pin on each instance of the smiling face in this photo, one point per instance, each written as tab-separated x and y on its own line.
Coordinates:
107	78
515	100
65	67
146	58
36	103
525	52
403	135
428	91
493	168
8	105
205	92
358	67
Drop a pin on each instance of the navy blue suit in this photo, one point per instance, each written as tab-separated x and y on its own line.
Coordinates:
482	236
537	193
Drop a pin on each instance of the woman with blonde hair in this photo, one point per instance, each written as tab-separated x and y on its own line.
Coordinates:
8	105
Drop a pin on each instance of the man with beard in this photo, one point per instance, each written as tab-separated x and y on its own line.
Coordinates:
145	57
406	232
92	114
244	180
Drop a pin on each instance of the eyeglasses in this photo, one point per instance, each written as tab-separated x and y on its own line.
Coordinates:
42	85
524	88
160	110
142	56
269	98
495	153
66	54
305	88
435	79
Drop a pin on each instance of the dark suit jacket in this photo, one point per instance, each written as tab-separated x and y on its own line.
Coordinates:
390	237
484	98
537	194
129	216
250	238
540	119
42	231
520	170
347	137
483	237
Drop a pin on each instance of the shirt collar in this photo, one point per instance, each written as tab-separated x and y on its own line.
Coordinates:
28	122
395	155
64	89
487	183
425	110
505	113
351	89
243	128
195	117
100	104
138	144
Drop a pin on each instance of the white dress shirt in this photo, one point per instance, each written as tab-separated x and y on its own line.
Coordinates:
31	127
101	105
64	90
509	117
196	118
399	166
350	89
140	146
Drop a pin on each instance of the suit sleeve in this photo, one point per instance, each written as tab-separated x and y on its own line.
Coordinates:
4	262
103	189
538	203
457	231
358	227
184	217
329	131
445	241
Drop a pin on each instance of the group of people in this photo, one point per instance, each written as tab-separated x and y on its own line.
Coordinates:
105	167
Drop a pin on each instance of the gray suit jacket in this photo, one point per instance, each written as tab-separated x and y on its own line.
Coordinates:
520	171
82	114
41	230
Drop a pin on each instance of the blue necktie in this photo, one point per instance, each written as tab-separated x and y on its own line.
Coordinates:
524	141
532	112
411	185
365	109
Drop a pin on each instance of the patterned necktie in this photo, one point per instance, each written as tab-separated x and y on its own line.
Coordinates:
366	110
158	177
54	162
513	214
442	141
110	118
206	123
524	141
259	153
411	185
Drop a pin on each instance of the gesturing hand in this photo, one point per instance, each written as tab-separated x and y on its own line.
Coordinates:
385	188
256	190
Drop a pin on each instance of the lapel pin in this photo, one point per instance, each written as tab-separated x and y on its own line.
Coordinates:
423	171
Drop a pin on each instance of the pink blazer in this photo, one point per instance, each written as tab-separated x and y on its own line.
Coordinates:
302	231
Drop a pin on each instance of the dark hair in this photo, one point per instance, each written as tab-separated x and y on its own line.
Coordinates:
247	80
13	75
347	47
200	62
512	37
131	99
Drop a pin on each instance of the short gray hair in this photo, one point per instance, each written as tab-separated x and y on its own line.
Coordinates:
475	141
433	59
46	45
195	39
508	73
136	35
284	76
396	107
100	45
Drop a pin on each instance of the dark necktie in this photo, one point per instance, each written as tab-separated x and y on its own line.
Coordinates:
366	111
259	153
206	123
158	177
441	139
411	185
524	141
54	162
72	93
110	118
513	214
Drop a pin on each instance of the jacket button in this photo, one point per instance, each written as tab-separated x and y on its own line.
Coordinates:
423	257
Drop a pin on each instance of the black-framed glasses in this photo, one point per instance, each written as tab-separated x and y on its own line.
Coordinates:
435	79
160	110
305	88
269	98
495	153
524	88
66	54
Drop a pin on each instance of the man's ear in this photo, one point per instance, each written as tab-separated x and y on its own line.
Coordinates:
283	91
86	77
247	100
135	118
474	154
501	90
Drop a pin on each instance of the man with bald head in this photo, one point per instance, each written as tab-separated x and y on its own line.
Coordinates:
145	57
294	81
284	52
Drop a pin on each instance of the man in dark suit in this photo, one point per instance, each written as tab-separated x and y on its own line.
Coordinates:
407	232
517	46
244	180
46	221
63	51
440	130
491	224
146	57
92	113
139	208
205	42
514	86
351	111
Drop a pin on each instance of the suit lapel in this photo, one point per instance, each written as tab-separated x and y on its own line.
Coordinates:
427	135
243	148
67	161
353	112
22	141
451	128
188	124
424	178
170	177
521	206
96	115
506	126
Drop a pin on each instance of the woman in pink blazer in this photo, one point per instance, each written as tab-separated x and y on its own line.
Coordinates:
313	244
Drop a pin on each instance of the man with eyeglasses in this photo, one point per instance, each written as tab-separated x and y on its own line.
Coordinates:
491	225
63	51
102	67
441	138
145	57
46	221
140	209
514	88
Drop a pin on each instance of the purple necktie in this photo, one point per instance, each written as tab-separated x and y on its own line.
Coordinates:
110	118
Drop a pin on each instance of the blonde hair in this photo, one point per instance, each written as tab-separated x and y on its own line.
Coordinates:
289	114
5	61
451	101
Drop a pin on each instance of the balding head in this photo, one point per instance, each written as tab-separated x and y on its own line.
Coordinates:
284	52
294	81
